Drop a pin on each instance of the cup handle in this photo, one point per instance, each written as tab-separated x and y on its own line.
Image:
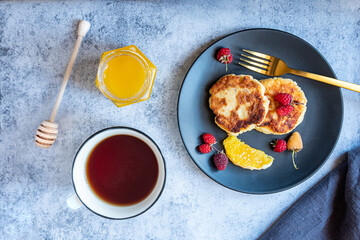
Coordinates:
74	202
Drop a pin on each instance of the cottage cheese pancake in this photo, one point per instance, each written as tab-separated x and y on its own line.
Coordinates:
273	123
239	103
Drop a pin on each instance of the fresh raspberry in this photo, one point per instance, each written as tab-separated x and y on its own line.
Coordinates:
283	98
279	145
209	138
284	110
224	56
295	145
205	148
221	161
295	142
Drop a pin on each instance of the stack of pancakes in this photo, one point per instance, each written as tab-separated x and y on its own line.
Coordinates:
242	103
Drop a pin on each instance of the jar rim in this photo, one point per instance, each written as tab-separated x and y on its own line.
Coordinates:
103	64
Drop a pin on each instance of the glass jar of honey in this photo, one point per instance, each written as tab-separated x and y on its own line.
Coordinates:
125	76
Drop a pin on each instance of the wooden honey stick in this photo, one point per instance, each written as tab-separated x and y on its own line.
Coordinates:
48	129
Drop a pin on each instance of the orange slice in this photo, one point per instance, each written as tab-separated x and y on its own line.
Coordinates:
245	156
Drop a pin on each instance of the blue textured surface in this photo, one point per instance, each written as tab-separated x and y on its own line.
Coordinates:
36	41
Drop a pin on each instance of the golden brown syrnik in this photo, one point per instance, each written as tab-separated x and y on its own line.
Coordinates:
239	103
273	123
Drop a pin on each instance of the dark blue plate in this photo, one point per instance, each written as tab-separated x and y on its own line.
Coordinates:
319	130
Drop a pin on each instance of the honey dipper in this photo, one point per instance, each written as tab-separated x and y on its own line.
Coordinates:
48	129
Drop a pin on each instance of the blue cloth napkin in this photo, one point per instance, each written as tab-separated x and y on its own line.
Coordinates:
330	210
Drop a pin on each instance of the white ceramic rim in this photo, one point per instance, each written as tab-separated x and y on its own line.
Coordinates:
94	203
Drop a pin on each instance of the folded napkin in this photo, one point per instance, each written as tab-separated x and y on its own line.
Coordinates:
330	210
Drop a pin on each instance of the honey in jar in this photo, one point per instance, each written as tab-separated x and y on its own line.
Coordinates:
125	76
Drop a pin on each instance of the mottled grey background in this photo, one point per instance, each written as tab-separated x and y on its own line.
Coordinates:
36	40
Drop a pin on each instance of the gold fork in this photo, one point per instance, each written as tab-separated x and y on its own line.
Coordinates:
273	66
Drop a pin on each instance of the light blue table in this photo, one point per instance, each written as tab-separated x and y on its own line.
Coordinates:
36	40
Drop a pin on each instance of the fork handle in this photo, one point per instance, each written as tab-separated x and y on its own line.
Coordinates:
328	80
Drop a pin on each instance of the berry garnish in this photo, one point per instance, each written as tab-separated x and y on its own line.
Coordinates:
283	98
284	110
221	161
209	138
205	148
295	145
224	56
279	145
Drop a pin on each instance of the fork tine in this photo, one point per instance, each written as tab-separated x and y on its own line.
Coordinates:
259	70
266	62
254	63
258	54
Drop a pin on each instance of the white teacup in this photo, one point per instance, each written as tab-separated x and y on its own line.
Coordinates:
85	195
